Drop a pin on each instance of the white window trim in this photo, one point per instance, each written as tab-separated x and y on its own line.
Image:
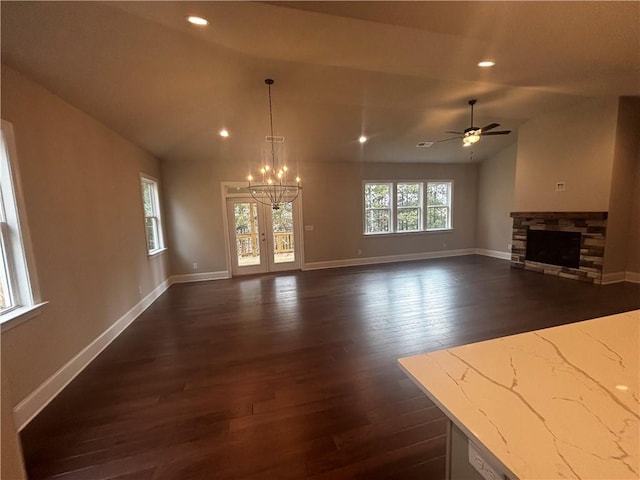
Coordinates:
394	227
426	206
391	207
157	207
25	278
421	219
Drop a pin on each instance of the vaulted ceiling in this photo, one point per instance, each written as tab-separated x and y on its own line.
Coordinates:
397	72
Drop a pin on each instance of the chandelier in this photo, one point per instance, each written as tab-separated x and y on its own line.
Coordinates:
272	186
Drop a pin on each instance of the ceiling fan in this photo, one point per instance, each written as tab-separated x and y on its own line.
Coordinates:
473	134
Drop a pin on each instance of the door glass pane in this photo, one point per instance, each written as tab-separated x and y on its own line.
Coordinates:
247	233
283	242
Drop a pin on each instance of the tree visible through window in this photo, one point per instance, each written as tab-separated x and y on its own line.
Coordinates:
377	206
438	205
409	207
152	218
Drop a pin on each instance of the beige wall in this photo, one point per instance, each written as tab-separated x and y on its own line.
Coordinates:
623	197
496	183
11	464
195	213
575	146
82	195
633	248
332	203
194	217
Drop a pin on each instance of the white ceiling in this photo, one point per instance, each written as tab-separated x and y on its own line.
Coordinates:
399	72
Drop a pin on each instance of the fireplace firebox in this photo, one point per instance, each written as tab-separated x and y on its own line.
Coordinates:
554	248
590	230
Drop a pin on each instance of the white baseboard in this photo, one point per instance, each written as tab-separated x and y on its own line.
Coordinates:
28	408
633	277
493	253
199	277
352	262
617	277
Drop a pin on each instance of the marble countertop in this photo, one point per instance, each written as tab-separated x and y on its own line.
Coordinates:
562	402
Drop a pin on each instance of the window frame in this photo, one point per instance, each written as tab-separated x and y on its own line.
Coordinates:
157	211
391	186
449	205
15	239
420	206
394	206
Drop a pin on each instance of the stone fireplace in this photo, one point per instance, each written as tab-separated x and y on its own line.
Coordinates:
585	231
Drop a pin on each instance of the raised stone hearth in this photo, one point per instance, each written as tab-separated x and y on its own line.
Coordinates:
591	225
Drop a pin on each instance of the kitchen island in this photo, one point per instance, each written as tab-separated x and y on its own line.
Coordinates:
562	402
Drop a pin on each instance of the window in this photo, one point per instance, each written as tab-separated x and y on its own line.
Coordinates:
438	205
377	207
407	206
152	217
18	284
7	294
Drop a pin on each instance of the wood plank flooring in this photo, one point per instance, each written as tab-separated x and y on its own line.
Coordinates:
292	375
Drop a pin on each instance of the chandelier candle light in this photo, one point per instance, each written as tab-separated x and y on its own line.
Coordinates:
273	188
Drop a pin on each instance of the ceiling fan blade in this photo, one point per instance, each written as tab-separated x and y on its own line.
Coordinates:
451	131
447	139
490	127
501	132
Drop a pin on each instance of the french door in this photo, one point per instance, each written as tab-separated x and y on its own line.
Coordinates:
262	239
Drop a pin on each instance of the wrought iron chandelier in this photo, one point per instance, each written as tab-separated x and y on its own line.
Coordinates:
273	186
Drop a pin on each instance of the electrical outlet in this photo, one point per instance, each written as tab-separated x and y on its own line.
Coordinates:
359	252
560	187
140	290
195	266
509	246
481	465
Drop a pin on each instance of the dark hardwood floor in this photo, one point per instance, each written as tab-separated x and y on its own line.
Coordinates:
292	376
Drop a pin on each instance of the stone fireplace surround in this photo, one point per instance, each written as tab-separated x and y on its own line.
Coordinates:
592	226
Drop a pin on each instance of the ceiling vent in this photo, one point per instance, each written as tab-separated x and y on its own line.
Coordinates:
274	139
424	144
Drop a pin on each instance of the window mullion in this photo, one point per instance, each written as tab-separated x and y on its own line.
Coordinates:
393	201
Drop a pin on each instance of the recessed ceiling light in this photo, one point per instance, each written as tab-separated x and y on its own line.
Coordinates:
362	139
486	63
198	21
224	132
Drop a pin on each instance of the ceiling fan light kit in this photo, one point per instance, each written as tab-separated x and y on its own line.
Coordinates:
472	135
